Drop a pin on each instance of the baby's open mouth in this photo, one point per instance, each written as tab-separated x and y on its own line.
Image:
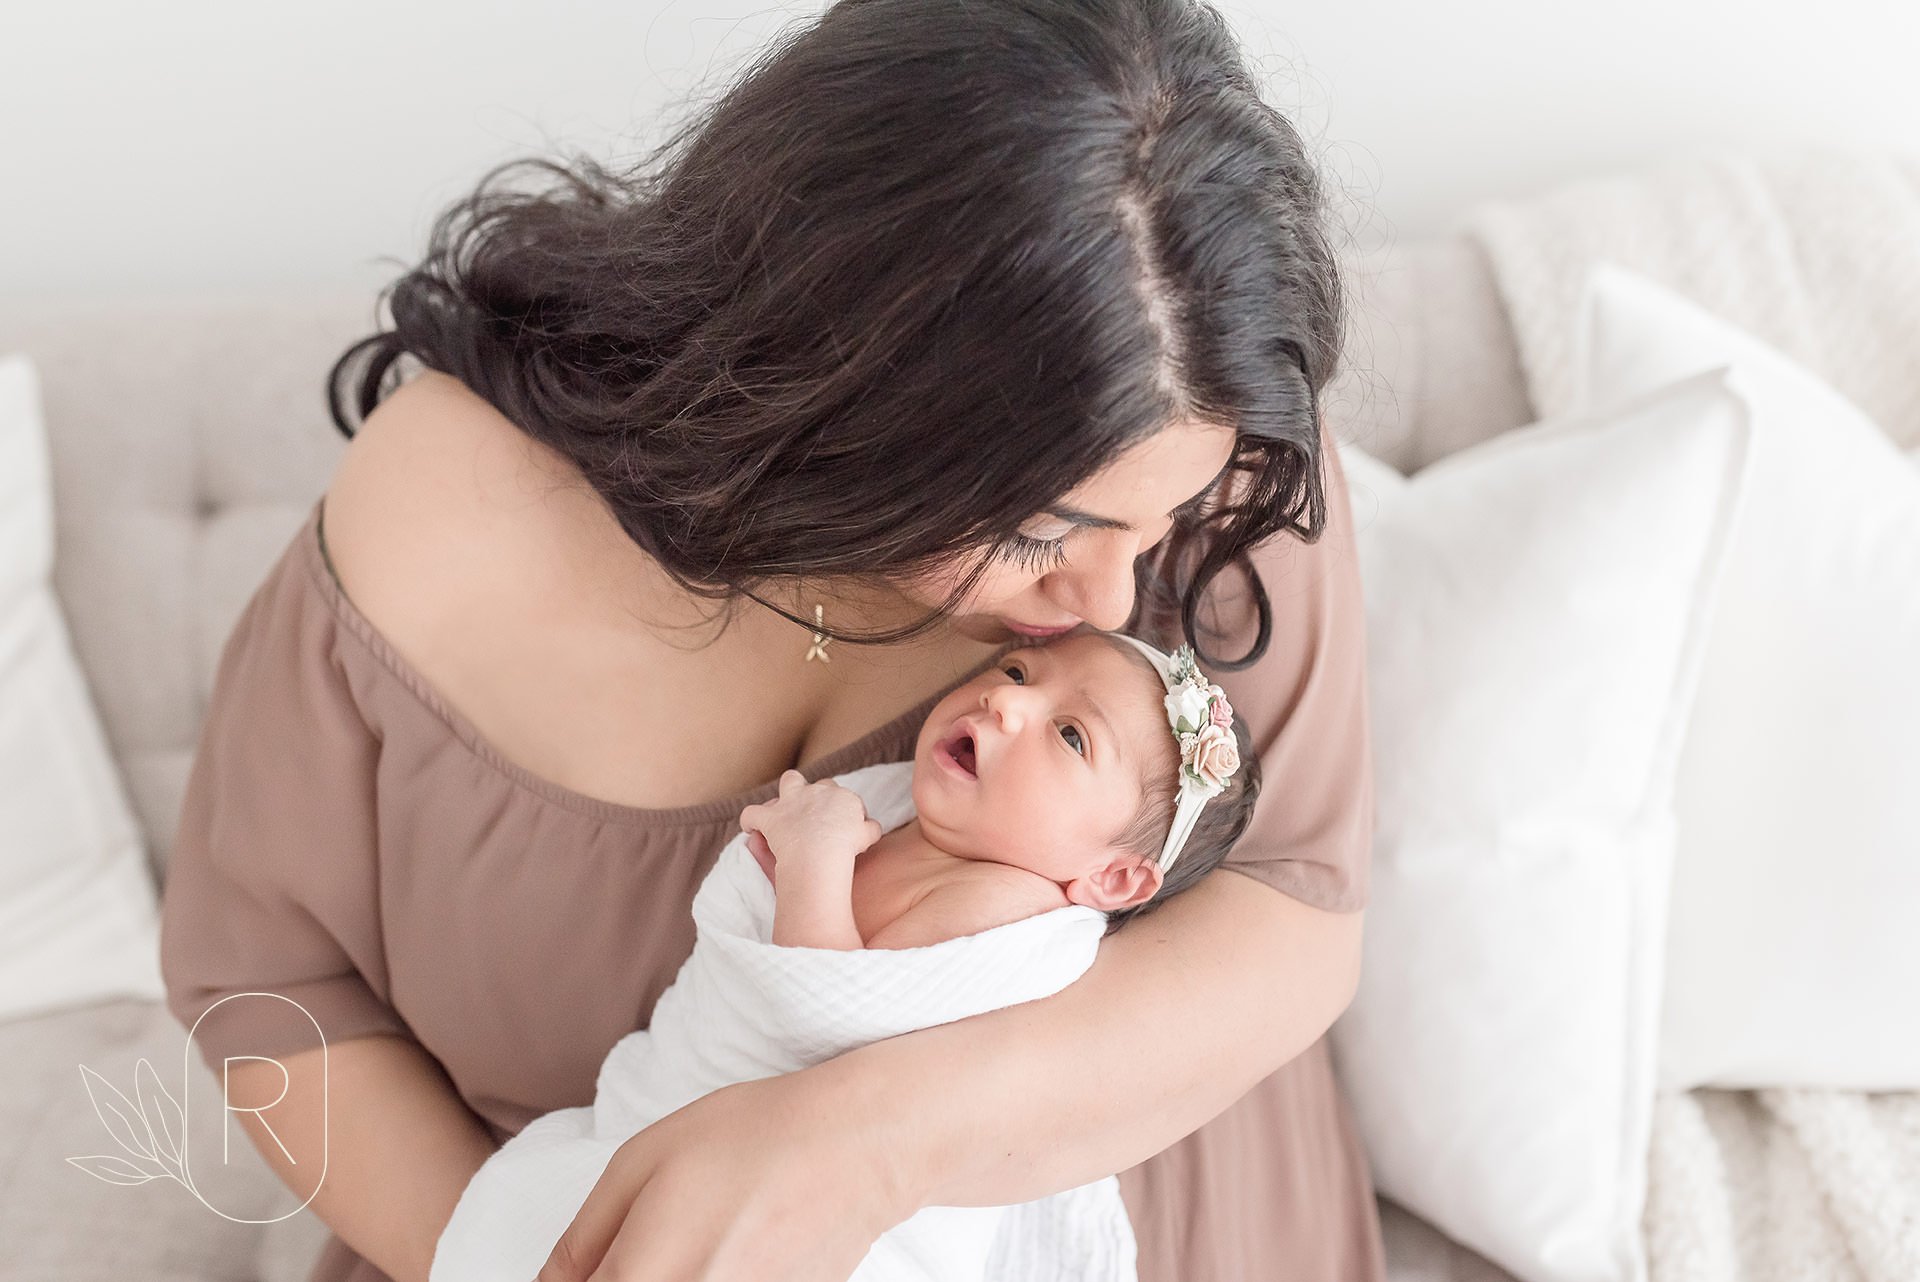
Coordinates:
959	750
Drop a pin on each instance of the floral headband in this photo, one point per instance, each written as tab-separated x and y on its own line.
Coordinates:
1202	723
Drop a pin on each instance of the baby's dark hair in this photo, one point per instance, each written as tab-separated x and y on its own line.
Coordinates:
1219	825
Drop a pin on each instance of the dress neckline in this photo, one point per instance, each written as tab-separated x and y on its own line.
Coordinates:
320	567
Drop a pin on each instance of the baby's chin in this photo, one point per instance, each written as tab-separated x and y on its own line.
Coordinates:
953	836
931	796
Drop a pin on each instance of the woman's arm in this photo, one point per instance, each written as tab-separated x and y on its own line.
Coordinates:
991	1110
1196	1002
397	1144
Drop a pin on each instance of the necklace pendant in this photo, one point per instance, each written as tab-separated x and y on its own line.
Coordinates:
818	650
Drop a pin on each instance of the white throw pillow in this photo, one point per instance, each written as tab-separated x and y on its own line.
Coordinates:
1535	611
77	908
1793	958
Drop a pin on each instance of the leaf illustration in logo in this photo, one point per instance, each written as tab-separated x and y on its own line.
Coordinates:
152	1130
119	1115
166	1120
114	1170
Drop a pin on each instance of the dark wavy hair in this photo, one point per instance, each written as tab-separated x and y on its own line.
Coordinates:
922	269
1215	830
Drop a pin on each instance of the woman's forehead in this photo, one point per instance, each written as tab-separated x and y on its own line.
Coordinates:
1178	461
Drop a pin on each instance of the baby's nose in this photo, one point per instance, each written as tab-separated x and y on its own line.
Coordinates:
1007	703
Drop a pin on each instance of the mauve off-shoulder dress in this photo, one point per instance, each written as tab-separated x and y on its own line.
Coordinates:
350	842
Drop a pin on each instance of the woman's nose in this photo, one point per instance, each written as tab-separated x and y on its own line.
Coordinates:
1099	586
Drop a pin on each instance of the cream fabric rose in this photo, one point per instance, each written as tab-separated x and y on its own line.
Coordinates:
1215	755
1189	703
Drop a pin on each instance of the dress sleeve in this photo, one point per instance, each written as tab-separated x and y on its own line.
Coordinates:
1304	703
269	922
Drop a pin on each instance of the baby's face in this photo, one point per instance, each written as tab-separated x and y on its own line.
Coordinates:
1038	762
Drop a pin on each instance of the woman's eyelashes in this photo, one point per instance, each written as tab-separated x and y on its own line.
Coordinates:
1078	741
1035	555
1040	556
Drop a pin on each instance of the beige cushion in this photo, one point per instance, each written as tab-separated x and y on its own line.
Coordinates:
188	440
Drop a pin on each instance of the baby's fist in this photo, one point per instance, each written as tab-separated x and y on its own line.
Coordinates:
810	823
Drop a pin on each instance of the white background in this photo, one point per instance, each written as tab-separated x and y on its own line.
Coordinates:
234	145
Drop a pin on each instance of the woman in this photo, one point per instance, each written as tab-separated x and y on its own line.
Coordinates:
955	323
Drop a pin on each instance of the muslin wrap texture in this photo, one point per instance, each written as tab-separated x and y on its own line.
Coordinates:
743	1008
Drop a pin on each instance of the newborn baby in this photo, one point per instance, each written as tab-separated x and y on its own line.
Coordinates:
1048	798
1050	780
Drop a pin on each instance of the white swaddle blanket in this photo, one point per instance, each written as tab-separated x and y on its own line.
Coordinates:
743	1008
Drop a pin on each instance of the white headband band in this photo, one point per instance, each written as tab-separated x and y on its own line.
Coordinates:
1202	724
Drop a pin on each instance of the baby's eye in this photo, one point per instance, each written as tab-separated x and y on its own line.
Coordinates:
1014	670
1074	739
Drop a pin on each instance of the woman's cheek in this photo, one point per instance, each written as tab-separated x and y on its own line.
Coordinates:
994	587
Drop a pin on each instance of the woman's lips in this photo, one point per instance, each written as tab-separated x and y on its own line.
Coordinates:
1026	631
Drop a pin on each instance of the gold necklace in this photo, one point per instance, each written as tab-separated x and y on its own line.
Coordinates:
818	650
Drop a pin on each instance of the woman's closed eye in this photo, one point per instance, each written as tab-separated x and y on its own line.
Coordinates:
1035	555
1043	555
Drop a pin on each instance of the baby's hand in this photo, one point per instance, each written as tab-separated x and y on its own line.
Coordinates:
809	825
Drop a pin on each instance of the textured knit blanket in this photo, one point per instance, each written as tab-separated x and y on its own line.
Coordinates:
1817	252
743	1008
1814	250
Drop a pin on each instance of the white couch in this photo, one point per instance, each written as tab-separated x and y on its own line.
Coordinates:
189	438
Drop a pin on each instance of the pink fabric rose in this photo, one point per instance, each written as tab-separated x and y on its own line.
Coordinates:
1215	755
1222	710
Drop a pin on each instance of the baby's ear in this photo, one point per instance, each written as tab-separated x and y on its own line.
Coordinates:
1123	881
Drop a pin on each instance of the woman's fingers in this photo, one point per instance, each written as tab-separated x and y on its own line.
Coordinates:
791	781
746	1184
583	1246
670	1234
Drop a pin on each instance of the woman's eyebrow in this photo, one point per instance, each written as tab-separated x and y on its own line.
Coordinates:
1078	517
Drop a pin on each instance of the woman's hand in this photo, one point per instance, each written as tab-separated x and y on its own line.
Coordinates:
775	1180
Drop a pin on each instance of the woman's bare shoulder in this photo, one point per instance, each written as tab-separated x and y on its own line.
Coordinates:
437	496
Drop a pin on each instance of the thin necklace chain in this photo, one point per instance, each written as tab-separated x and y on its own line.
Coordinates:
817	649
